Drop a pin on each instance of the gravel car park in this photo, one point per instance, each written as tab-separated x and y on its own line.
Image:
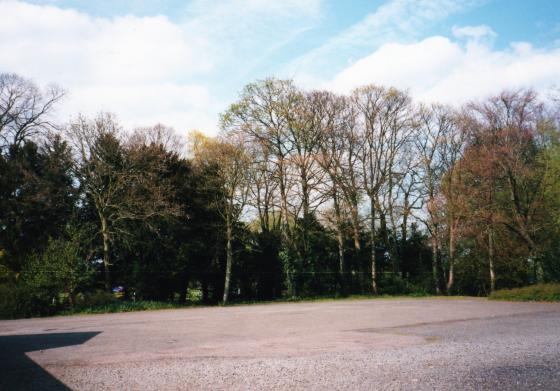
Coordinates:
396	344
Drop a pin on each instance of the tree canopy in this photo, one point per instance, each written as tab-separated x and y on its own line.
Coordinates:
302	193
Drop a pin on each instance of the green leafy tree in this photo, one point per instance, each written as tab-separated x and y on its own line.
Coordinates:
62	269
38	195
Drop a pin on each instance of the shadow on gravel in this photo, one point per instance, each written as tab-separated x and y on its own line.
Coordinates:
19	372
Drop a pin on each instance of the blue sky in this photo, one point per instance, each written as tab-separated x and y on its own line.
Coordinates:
182	62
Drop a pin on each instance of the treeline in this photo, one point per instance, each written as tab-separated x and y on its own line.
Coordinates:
302	193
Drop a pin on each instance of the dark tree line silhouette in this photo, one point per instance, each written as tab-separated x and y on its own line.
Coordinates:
302	193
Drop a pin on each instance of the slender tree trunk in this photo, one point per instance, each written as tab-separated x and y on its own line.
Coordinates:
229	259
340	241
389	248
372	236
404	226
355	226
305	194
383	226
284	230
341	262
451	276
106	252
435	246
491	257
393	249
304	248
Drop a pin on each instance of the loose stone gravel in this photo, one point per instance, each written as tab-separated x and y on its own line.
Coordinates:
413	344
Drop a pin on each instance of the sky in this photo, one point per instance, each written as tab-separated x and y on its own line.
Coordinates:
182	63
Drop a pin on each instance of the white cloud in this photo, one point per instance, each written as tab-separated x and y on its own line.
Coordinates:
394	21
48	42
184	71
439	69
183	106
474	32
145	69
136	67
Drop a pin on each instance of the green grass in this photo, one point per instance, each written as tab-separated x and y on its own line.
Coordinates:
130	306
123	306
298	299
538	292
145	305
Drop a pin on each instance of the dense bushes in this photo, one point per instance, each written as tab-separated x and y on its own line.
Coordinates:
13	302
538	292
393	284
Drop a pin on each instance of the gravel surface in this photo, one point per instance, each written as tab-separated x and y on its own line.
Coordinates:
409	344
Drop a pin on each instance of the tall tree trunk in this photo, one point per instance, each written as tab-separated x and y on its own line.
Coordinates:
435	245
372	236
491	257
284	228
383	226
404	226
389	248
355	226
393	249
305	194
340	241
106	252
229	258
451	276
303	247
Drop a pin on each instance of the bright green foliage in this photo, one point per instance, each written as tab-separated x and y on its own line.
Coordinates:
56	275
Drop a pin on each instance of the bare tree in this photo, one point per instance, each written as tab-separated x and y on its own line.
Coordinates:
407	198
350	143
504	132
331	122
264	188
232	164
435	123
305	119
121	180
385	117
262	114
25	110
452	148
159	135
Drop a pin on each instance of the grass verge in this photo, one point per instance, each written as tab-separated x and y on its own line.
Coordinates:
538	292
298	299
130	306
123	306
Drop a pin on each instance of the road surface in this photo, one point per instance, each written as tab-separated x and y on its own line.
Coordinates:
396	344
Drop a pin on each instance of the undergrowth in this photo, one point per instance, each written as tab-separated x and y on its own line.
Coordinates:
538	292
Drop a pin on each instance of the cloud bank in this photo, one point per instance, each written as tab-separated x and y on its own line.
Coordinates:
393	21
147	69
184	69
440	69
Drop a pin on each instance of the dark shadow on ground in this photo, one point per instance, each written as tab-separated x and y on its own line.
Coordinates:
19	372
